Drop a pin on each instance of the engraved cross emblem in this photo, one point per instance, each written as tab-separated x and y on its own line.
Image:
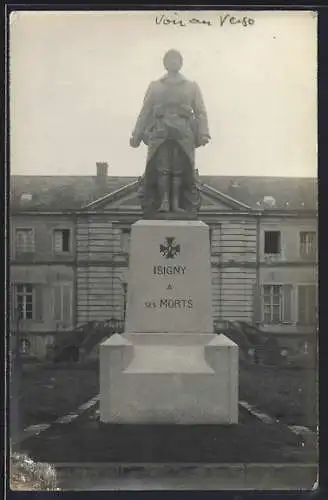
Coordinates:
170	249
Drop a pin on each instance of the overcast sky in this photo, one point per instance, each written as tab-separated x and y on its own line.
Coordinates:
78	80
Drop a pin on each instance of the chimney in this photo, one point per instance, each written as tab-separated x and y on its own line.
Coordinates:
102	170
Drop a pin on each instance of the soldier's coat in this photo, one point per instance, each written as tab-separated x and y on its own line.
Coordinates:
172	105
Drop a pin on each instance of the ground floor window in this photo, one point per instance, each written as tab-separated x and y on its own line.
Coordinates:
307	304
276	303
24	301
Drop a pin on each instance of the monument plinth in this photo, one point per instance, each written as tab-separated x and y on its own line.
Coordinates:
169	366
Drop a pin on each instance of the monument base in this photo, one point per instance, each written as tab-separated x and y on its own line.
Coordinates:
169	379
153	215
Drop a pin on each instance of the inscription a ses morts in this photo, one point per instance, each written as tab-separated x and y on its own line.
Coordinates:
170	250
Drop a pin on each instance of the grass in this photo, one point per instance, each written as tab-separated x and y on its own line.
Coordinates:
51	392
285	393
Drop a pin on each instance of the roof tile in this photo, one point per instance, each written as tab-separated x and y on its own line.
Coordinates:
73	192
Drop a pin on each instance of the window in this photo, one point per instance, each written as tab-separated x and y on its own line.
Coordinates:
25	346
125	240
276	303
272	242
62	307
24	301
24	241
307	304
308	244
62	240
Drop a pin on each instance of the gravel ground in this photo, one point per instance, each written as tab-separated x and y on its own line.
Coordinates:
86	440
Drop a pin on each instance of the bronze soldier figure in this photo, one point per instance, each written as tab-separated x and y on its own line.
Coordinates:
172	123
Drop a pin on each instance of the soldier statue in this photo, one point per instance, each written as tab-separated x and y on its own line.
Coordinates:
172	123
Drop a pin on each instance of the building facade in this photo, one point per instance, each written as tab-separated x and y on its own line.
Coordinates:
69	251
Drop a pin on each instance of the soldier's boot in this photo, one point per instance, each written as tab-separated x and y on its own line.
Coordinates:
176	183
164	188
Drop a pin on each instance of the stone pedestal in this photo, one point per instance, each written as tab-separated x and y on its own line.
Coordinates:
168	366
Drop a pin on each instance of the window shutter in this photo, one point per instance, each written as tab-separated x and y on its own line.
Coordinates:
302	304
11	302
58	241
67	302
266	301
57	303
312	304
38	307
256	303
287	303
30	241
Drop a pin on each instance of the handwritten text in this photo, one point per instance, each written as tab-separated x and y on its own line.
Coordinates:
221	21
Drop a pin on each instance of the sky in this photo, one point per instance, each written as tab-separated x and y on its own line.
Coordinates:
77	81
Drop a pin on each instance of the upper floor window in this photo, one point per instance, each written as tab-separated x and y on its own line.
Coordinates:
276	303
24	241
125	239
307	299
62	240
272	242
24	301
308	244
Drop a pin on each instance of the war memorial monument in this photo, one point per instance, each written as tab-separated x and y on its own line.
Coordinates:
169	366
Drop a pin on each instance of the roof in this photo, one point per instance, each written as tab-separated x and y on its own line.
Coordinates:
74	192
